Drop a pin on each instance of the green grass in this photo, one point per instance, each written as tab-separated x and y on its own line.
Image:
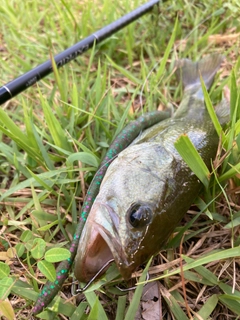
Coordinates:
54	135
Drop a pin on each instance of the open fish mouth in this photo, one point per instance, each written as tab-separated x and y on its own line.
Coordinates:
100	243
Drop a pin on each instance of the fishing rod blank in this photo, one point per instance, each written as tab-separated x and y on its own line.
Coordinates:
26	80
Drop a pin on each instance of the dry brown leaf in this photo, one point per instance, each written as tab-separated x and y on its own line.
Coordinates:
220	38
4	256
150	304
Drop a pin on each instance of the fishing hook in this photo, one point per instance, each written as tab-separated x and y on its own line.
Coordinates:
132	288
75	291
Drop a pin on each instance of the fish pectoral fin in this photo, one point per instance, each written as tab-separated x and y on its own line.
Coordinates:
189	72
223	111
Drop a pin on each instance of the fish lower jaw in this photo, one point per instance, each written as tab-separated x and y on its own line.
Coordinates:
97	252
91	258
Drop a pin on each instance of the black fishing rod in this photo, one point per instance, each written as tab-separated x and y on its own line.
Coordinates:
26	80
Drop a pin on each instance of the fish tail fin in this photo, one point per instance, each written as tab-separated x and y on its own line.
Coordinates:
189	72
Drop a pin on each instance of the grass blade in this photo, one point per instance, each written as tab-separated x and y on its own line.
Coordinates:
173	304
208	307
211	111
137	295
121	307
163	63
231	302
125	72
57	133
220	255
97	311
193	159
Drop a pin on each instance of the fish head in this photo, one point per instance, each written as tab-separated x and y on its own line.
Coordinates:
126	221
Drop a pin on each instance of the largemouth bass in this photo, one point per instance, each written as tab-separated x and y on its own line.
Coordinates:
148	188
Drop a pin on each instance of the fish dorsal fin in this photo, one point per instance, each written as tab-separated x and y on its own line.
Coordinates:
189	72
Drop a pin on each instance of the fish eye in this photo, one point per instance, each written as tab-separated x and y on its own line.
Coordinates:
139	215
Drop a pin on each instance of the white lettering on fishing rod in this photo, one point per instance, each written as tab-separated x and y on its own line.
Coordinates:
72	56
31	81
